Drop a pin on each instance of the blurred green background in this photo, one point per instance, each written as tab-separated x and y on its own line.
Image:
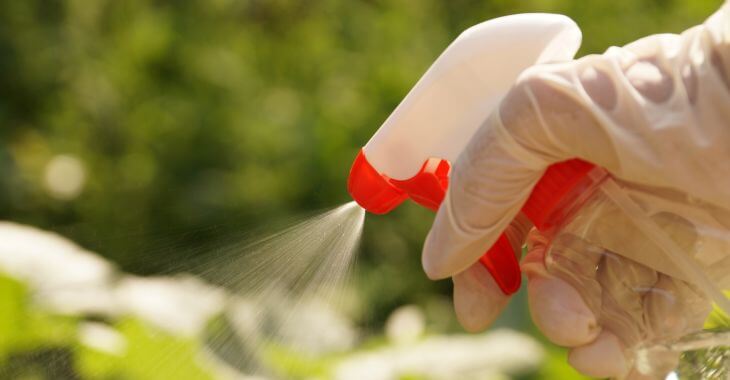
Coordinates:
147	131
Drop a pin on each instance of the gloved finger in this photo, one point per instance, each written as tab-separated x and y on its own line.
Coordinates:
574	260
604	357
624	283
673	308
478	300
496	172
557	308
489	183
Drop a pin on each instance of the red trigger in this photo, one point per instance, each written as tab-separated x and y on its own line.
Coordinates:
428	188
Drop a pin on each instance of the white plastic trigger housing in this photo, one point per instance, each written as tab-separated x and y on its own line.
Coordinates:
462	87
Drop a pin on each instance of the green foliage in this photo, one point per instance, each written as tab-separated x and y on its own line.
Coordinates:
292	364
718	319
38	345
149	354
23	330
556	366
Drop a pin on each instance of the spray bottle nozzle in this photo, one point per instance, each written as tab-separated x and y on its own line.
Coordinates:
379	194
373	191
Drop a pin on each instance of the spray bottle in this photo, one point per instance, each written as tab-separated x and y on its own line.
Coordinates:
579	206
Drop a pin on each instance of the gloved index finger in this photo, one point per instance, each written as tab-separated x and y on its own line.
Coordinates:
489	184
544	119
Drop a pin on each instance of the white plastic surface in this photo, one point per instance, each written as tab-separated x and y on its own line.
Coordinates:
462	87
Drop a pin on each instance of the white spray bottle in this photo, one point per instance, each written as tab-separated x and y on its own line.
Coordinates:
578	206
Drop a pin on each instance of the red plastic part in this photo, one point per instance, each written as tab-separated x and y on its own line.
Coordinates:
372	190
501	262
379	194
558	181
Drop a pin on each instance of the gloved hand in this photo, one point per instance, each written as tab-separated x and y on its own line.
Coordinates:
655	112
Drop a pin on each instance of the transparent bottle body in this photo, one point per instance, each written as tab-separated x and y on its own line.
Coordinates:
648	262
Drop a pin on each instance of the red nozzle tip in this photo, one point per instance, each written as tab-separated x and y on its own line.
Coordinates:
372	190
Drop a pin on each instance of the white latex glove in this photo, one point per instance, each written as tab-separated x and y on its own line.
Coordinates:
655	112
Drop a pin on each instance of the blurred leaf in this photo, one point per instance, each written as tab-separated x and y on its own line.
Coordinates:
32	343
25	328
12	304
292	364
555	366
149	354
718	319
